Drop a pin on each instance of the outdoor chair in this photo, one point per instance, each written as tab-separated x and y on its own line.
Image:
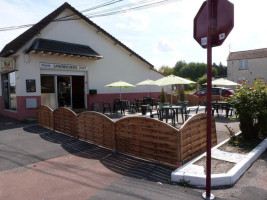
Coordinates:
191	111
106	107
152	114
167	114
138	103
133	107
214	107
118	106
230	110
183	110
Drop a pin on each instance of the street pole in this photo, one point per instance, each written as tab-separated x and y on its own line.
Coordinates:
209	75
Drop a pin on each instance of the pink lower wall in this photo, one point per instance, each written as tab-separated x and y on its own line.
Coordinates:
22	112
108	98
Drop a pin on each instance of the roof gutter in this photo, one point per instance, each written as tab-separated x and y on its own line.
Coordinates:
7	53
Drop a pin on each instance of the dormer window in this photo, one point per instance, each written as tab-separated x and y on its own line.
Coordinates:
243	64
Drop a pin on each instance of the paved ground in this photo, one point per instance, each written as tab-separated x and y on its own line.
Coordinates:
40	164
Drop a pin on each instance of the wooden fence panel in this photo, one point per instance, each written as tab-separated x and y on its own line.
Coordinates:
65	121
96	128
44	116
193	136
148	139
192	99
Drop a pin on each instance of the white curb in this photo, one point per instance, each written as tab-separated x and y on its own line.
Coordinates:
229	178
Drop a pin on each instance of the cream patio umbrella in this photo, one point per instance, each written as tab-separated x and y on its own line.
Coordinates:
223	82
120	84
147	82
172	80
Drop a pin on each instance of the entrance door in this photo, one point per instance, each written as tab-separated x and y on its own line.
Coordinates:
64	91
77	92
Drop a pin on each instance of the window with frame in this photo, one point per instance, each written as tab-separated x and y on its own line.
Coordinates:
243	64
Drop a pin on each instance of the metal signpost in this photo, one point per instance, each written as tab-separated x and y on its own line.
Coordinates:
212	24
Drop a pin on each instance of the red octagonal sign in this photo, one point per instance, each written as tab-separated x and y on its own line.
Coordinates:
222	22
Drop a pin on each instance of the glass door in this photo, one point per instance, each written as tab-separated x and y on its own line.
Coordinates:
64	91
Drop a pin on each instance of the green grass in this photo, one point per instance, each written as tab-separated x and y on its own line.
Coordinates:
190	91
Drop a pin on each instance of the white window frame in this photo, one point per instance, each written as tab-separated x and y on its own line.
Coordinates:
243	64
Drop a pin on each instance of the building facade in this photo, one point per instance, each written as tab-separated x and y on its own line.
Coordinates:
247	65
67	63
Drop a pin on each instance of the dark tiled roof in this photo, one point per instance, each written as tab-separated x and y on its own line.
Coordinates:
62	47
25	37
240	55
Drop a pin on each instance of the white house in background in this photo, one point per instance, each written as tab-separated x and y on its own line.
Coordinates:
247	65
68	63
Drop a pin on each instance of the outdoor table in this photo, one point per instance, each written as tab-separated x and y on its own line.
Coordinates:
176	108
223	105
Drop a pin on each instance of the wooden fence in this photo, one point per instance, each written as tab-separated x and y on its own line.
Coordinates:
192	99
96	128
142	137
148	138
45	117
65	121
193	136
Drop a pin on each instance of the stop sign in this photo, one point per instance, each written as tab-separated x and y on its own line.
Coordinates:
222	22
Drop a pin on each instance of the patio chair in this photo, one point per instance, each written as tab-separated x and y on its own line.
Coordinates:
106	107
183	110
118	106
191	111
214	107
153	114
167	114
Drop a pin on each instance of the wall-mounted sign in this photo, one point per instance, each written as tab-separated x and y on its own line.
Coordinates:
63	67
7	64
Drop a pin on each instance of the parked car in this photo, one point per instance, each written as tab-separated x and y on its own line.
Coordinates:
216	92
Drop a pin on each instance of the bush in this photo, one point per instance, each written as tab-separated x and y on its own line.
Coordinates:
163	97
250	103
182	95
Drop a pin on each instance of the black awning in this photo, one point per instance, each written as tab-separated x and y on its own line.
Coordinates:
55	46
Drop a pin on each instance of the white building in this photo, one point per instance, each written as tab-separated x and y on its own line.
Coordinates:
247	65
63	63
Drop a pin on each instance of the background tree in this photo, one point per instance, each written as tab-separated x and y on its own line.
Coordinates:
222	70
166	70
178	66
193	70
202	80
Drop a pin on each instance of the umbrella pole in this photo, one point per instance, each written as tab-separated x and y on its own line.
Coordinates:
120	93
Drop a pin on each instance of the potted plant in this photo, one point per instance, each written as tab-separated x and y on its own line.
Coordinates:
182	95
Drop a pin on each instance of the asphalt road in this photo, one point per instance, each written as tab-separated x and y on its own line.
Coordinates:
41	164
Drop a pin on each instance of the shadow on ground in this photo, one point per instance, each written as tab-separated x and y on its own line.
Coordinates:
119	163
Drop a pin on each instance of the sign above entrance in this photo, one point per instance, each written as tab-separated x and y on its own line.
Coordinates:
7	64
63	66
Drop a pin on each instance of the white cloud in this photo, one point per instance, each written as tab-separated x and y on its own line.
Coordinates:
164	46
134	20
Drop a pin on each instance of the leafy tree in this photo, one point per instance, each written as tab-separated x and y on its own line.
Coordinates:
202	80
166	70
193	70
222	70
178	66
214	72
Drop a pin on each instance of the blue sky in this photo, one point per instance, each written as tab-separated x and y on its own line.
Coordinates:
162	35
